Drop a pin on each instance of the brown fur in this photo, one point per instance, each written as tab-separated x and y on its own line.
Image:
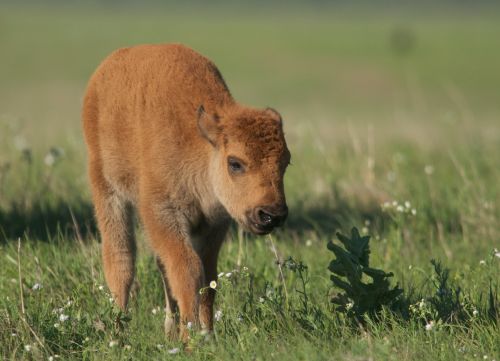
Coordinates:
160	124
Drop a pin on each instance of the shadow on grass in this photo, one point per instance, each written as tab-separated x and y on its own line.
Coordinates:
45	222
331	218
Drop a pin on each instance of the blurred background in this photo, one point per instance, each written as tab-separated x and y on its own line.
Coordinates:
392	114
373	61
377	96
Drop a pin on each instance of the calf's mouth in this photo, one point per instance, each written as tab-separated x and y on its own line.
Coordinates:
260	221
261	229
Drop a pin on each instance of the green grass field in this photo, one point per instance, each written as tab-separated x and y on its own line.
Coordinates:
366	124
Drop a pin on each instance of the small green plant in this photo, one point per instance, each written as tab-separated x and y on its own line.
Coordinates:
352	261
447	300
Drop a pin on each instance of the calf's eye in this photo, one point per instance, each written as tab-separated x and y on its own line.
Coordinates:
235	165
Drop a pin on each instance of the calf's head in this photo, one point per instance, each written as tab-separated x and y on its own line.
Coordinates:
247	164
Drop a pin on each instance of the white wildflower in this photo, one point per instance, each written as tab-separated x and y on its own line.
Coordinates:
159	346
56	325
20	142
36	286
27	348
364	230
218	315
309	243
174	350
421	304
349	306
245	269
49	159
400	209
261	299
220	275
127	347
101	288
213	285
54	154
189	325
229	274
13	334
475	313
394	203
63	317
407	204
497	253
113	343
488	205
482	262
414	211
429	326
429	169
51	358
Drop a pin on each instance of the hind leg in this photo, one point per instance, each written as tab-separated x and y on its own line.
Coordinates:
171	309
114	218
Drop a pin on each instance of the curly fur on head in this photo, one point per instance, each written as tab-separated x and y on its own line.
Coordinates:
260	131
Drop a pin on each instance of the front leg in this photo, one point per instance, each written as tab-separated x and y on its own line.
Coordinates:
183	266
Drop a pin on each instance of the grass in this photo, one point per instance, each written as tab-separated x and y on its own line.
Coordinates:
365	126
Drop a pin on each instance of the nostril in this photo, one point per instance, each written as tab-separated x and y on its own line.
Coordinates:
265	218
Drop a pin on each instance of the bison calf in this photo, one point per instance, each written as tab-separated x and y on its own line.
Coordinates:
165	136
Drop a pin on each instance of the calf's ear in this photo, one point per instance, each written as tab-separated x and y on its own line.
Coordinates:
208	126
273	113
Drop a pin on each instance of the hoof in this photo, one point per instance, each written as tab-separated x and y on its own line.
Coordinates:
170	327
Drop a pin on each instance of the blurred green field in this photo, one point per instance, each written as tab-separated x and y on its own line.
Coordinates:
366	124
308	63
